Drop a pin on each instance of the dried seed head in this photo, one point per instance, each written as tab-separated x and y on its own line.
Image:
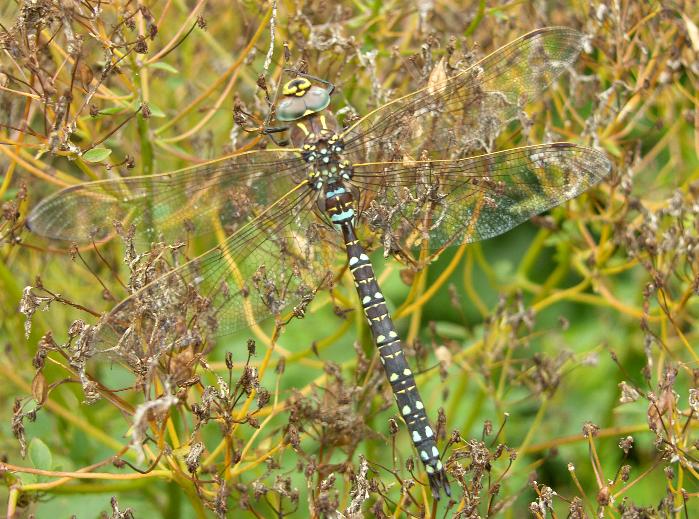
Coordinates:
141	46
292	437
694	399
392	427
590	430
626	444
624	473
39	388
499	450
628	393
252	421
40	358
410	464
311	467
263	397
603	496
193	456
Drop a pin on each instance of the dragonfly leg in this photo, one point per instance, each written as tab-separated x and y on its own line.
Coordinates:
271	130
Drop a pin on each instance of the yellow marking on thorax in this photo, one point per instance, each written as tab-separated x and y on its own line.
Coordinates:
303	128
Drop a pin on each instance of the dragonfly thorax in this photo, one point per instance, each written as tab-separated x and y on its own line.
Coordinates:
323	154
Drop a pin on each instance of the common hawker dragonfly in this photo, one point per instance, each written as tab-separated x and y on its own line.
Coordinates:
408	171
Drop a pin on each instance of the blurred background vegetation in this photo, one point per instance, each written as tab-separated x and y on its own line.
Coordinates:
570	340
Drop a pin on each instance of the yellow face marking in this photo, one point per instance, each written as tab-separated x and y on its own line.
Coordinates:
296	87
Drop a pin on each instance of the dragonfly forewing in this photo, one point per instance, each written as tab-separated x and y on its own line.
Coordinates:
171	206
454	116
272	252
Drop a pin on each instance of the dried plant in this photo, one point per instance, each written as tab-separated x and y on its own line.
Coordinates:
563	362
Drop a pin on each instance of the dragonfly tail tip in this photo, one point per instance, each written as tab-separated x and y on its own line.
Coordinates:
439	482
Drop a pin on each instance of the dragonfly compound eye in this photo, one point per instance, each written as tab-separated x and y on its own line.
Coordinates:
301	99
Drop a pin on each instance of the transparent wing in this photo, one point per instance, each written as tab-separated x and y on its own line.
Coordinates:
452	117
276	261
276	255
474	198
165	207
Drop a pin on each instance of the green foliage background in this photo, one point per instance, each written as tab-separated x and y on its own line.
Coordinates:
534	332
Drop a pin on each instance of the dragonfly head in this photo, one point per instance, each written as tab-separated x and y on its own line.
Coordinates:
301	99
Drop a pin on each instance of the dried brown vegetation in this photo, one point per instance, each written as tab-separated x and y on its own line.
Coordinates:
564	361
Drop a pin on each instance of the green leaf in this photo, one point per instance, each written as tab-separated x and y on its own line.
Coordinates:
40	455
451	330
164	66
10	193
112	110
155	111
96	154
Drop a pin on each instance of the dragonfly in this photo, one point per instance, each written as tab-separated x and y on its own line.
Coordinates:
411	172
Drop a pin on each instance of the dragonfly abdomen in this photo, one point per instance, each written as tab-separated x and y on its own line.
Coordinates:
339	204
398	373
